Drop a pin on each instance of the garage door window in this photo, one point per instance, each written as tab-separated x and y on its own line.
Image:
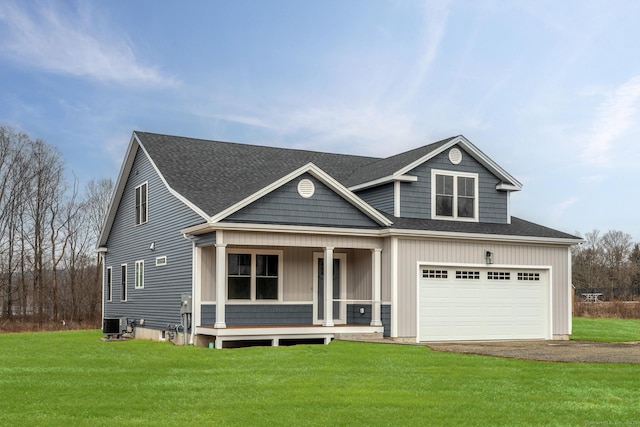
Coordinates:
470	275
434	274
499	275
529	276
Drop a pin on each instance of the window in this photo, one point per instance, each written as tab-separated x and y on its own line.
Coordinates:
467	275
529	276
498	275
107	284
254	276
123	282
161	261
434	274
139	275
142	198
454	195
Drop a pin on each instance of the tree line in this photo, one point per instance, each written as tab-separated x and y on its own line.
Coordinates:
607	263
49	269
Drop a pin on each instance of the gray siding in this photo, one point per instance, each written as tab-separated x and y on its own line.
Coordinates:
355	318
415	197
159	302
269	314
385	317
285	206
380	197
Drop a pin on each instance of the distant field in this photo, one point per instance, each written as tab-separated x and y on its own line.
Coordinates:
74	379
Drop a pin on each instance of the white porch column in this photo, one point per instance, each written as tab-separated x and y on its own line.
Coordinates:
197	287
376	290
328	287
221	287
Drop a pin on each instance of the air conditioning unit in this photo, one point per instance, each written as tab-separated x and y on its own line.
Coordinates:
114	326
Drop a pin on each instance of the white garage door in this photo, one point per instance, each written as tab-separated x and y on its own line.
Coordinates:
463	303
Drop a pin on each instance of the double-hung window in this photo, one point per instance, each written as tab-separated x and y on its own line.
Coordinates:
454	195
107	284
123	282
139	275
254	275
142	203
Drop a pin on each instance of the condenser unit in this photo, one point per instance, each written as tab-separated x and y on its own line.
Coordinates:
114	326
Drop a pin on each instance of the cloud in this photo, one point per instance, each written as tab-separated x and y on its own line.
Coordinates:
561	208
71	44
616	116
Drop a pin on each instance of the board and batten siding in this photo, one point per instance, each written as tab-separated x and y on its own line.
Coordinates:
285	205
415	197
413	251
158	303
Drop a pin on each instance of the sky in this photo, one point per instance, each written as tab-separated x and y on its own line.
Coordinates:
550	90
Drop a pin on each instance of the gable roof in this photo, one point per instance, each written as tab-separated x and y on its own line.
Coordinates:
396	167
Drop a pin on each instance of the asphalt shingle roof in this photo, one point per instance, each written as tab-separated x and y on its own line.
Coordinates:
214	175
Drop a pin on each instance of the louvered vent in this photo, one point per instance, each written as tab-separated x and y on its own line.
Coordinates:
306	188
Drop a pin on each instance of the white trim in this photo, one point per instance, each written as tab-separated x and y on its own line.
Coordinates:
221	281
506	187
548	269
385	180
342	318
569	293
318	173
394	287
137	285
455	175
478	236
396	199
253	252
161	261
179	196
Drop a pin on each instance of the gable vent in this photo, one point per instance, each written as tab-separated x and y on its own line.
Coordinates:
306	188
455	156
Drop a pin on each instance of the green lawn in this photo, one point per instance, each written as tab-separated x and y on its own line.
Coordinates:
73	378
608	330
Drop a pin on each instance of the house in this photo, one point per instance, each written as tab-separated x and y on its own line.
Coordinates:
241	242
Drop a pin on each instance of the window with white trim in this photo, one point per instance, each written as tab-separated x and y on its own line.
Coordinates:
454	195
139	270
254	275
142	203
123	282
107	283
498	275
161	261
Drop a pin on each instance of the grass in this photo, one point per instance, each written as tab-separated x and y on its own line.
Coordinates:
73	378
607	330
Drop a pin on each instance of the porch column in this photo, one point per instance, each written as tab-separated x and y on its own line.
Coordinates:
328	287
376	283
197	287
221	288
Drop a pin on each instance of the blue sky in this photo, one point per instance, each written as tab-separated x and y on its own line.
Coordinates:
548	89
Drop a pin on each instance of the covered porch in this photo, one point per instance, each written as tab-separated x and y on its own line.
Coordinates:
274	286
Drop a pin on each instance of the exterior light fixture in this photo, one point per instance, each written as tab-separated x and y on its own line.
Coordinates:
153	246
488	257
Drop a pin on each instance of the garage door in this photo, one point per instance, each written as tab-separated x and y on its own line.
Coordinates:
462	303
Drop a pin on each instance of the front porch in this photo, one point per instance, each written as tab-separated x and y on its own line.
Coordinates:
216	337
273	287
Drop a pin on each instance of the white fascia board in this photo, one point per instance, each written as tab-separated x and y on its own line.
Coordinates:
475	152
507	187
177	195
317	173
385	180
278	228
477	236
121	183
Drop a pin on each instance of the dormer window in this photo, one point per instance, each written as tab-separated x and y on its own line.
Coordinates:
454	195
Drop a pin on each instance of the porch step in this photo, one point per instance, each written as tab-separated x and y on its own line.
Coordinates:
365	336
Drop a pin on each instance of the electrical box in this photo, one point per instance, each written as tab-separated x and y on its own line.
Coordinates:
185	305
